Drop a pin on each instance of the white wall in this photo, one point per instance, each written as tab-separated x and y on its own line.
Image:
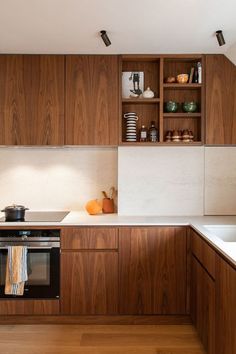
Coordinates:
161	181
220	180
231	53
55	178
152	180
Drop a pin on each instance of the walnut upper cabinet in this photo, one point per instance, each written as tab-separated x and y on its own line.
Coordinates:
220	100
31	100
92	99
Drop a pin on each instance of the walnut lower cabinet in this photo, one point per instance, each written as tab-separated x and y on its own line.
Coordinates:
203	304
213	294
225	308
152	270
89	271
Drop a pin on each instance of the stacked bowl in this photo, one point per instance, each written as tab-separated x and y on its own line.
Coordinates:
131	126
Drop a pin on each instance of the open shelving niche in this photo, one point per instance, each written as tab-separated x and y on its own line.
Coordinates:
156	69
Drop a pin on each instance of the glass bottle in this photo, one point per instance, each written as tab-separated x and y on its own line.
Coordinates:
143	134
153	134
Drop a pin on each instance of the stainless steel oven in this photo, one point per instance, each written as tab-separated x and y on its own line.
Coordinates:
43	261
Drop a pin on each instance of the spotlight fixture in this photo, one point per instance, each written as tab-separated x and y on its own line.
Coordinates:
220	37
105	38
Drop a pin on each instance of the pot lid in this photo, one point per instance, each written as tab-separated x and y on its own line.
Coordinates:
15	207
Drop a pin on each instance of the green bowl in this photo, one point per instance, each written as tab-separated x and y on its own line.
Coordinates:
171	106
189	107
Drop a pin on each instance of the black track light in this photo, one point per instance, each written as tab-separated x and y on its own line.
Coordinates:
105	38
220	37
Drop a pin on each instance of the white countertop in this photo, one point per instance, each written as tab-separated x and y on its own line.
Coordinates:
197	222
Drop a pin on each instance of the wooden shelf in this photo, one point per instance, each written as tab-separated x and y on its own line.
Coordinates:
141	100
181	115
138	143
182	86
156	68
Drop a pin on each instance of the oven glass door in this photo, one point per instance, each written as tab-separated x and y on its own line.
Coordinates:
43	266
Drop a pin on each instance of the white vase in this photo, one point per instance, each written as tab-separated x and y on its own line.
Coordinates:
148	93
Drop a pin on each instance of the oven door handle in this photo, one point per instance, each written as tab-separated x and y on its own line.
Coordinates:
30	245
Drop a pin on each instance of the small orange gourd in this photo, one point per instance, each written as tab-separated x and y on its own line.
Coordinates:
93	207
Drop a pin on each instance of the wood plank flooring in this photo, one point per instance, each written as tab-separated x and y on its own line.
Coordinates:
99	339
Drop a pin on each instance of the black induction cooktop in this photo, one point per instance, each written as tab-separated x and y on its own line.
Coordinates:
42	216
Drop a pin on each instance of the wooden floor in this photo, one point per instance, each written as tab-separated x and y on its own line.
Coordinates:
99	339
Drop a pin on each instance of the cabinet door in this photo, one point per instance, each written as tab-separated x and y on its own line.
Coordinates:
203	305
89	283
220	100
31	100
92	99
152	270
225	308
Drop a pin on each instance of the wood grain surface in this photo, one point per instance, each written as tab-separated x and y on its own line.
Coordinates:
32	99
203	305
220	100
89	238
204	253
225	308
152	270
92	99
74	339
89	282
29	307
98	319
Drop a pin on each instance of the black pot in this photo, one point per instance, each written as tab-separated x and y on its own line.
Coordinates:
14	212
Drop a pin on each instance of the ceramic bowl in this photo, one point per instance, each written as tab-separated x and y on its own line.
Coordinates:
182	78
171	106
189	107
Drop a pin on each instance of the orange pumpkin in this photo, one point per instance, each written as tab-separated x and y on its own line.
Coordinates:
93	207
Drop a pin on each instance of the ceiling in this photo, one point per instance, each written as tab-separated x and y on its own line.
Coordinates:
141	26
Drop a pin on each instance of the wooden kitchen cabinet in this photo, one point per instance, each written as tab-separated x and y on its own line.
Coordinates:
31	100
220	100
78	238
202	304
152	270
92	99
29	307
89	270
225	308
202	290
89	283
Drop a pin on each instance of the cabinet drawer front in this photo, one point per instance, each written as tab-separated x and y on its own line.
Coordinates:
204	253
89	238
29	307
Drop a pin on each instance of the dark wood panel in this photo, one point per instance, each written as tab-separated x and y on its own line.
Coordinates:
225	308
98	320
89	238
13	102
204	253
203	305
45	93
89	283
32	99
152	270
29	307
92	99
220	100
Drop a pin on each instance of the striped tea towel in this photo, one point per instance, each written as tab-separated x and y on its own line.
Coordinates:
16	270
